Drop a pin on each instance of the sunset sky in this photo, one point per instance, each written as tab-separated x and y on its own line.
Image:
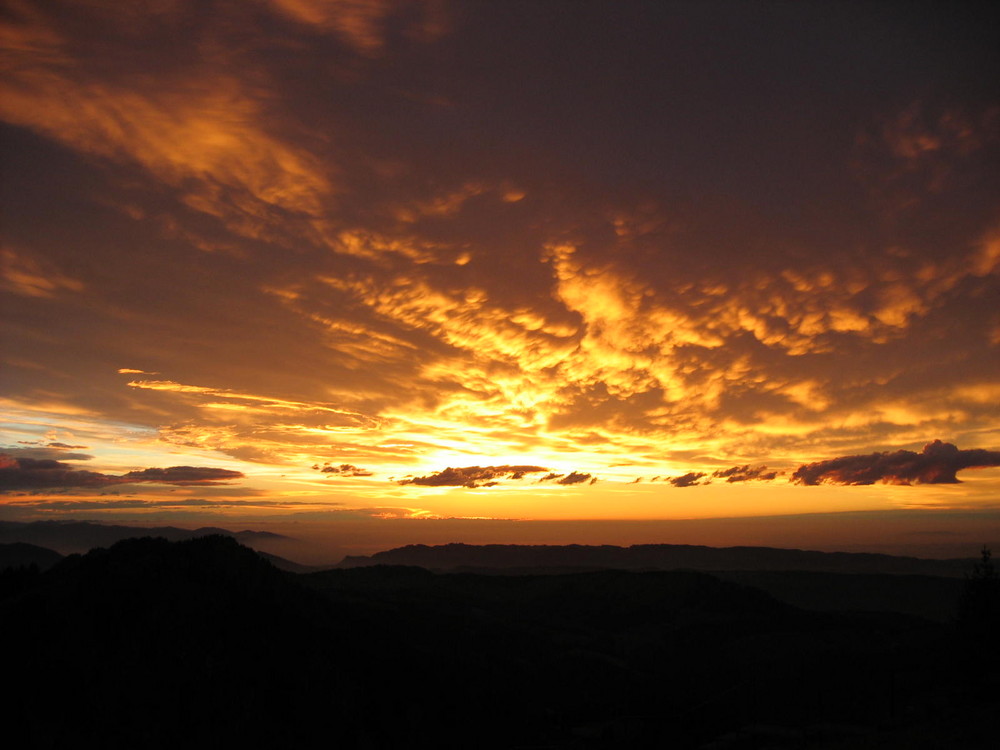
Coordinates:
359	261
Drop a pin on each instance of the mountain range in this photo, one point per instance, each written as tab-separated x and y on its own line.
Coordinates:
68	537
512	558
156	644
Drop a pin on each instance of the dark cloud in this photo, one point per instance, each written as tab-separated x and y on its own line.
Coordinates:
36	473
745	473
343	470
32	474
688	480
473	476
180	475
59	454
67	447
575	478
937	463
135	503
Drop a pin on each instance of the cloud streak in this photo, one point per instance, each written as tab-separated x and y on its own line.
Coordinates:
26	276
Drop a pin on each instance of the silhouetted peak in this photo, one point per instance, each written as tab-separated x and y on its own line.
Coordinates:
200	562
20	554
80	536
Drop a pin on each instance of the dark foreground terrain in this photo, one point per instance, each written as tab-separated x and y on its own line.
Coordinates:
203	642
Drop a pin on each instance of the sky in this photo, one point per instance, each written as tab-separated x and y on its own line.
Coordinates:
546	270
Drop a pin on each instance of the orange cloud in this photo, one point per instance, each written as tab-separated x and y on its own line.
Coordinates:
29	277
264	404
361	23
200	129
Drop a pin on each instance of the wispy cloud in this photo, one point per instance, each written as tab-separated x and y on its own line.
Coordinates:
31	277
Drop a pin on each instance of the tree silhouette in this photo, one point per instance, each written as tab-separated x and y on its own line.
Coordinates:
979	608
979	620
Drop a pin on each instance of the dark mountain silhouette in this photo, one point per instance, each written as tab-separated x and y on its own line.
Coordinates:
286	565
153	644
932	597
70	537
159	644
552	558
20	554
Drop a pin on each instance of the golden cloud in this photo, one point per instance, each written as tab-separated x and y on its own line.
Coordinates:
200	129
361	23
29	277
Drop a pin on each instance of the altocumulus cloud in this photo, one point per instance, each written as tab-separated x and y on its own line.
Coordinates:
472	476
937	463
35	474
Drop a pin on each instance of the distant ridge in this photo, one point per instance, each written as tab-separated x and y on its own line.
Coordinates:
68	537
553	558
